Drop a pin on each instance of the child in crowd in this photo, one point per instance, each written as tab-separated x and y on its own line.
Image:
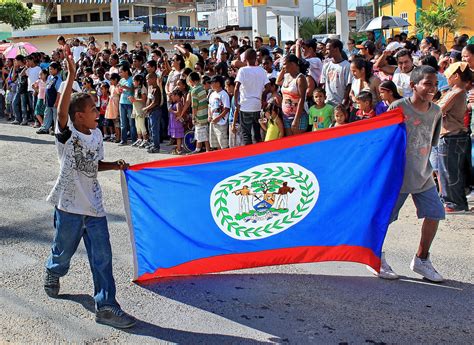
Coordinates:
272	122
321	113
112	111
341	116
40	87
153	108
51	93
200	113
219	106
388	94
206	83
235	133
138	103
127	123
423	125
79	212
175	126
103	101
365	105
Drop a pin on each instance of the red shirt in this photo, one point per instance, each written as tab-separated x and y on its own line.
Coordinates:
361	115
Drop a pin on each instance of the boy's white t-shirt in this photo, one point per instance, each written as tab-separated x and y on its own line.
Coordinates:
75	87
77	189
217	102
252	83
33	74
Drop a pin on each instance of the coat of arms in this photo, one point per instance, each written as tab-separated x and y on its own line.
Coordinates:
263	201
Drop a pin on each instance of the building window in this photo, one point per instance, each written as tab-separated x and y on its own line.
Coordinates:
106	17
142	13
184	21
124	14
80	18
161	18
95	17
404	15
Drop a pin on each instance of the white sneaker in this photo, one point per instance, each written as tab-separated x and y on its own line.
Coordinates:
137	143
386	271
426	269
143	144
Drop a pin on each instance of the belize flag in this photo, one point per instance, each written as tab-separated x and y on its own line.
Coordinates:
320	196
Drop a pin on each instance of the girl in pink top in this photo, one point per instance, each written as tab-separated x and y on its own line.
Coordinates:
112	112
40	88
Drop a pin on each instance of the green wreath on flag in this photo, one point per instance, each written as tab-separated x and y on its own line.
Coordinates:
223	214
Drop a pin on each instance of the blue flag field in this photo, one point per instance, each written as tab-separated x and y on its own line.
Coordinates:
320	196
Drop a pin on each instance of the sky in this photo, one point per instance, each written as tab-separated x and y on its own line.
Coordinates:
319	5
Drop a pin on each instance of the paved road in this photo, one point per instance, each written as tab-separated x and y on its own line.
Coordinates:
300	304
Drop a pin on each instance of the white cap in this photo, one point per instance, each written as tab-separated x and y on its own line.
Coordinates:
393	46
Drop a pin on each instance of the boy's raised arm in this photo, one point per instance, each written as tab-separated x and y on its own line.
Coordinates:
65	98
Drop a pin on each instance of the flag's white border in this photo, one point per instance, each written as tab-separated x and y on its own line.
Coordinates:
126	205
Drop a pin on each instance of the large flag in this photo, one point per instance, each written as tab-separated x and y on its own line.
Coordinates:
321	196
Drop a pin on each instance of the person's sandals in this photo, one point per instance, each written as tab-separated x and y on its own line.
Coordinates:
176	152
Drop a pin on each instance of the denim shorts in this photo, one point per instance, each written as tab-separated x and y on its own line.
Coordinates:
428	205
304	120
434	158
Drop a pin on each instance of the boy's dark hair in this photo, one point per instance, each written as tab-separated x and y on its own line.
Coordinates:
188	47
230	81
335	43
250	54
403	52
78	103
206	79
152	63
430	60
20	58
187	71
365	96
419	73
115	76
218	79
55	65
311	43
205	50
320	90
139	78
194	76
89	70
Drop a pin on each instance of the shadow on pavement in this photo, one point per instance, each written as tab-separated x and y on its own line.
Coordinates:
25	140
304	308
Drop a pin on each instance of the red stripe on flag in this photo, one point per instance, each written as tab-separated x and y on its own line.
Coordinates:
268	258
390	118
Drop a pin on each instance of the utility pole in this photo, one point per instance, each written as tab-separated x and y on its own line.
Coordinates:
376	8
327	19
114	10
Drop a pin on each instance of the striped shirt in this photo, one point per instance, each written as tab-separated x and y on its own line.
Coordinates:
199	104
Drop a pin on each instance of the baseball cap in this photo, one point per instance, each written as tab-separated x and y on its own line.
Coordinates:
394	46
277	51
368	45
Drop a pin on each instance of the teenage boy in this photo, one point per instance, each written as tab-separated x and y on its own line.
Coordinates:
52	87
423	124
219	107
79	212
153	107
199	104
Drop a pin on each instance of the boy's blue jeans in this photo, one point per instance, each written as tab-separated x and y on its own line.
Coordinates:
156	118
127	123
50	114
70	228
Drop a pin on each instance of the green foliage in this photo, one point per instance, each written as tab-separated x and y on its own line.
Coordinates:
266	185
440	19
316	26
13	12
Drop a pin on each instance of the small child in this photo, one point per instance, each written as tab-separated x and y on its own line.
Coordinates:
51	94
272	123
79	212
103	102
341	116
175	127
219	106
235	132
153	108
138	103
388	94
320	113
112	111
206	82
366	107
199	104
40	87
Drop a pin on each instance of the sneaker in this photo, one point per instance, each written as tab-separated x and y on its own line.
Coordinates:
143	144
115	317
426	269
51	284
15	122
149	144
153	149
386	271
122	143
24	123
51	131
106	137
42	131
137	143
450	210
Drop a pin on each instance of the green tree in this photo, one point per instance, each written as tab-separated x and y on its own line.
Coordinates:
316	26
440	19
13	12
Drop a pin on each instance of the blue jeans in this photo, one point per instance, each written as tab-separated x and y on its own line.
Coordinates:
70	229
428	205
50	114
16	107
452	170
127	123
156	118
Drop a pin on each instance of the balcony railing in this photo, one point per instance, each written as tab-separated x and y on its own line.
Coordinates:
223	17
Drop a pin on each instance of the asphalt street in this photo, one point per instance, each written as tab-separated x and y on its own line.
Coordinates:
320	303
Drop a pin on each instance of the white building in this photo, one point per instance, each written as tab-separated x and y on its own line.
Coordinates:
279	18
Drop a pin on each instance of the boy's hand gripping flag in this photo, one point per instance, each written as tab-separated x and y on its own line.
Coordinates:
321	196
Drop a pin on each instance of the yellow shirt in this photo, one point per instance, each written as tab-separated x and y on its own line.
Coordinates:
191	61
273	132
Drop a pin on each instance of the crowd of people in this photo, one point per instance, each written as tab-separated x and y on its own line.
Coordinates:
232	94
